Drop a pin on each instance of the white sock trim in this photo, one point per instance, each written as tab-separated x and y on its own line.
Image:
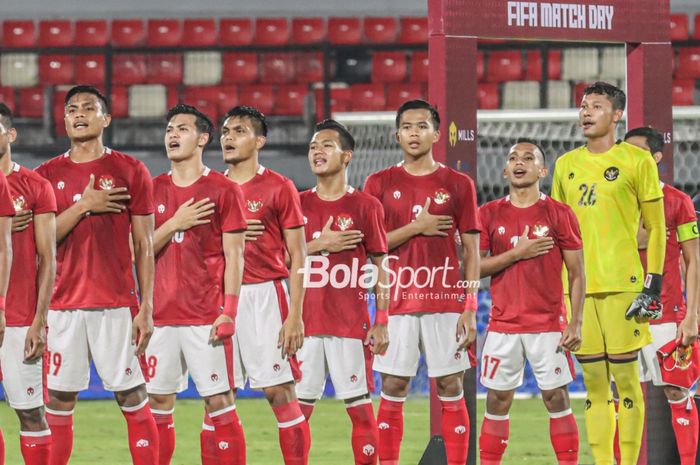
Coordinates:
358	403
392	398
35	434
206	427
222	411
561	414
452	399
493	417
684	399
135	408
312	404
289	424
60	413
162	412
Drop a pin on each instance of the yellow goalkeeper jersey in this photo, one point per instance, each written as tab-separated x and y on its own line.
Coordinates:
605	191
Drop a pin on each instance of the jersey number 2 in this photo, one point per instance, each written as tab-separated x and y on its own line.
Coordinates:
588	197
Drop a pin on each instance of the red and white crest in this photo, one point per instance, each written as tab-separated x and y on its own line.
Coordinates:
353	379
30	391
344	222
254	206
19	203
441	196
214	377
540	230
106	182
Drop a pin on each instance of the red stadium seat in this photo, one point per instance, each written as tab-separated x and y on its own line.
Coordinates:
228	98
128	69
388	66
505	65
368	97
91	33
414	30
688	63
276	68
533	67
488	96
419	67
272	31
340	100
397	94
205	99
344	31
381	30
679	27
7	96
696	29
90	69
259	96
128	32
683	92
578	93
18	34
164	68
31	102
56	33
172	96
240	67
199	32
119	102
235	31
309	67
290	100
56	69
308	30
164	32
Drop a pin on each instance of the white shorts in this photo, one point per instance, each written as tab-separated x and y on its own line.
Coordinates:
503	360
346	360
434	333
103	335
24	382
649	369
175	350
261	309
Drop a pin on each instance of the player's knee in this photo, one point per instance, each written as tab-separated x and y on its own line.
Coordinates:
556	400
280	394
217	401
347	401
395	386
63	401
499	402
161	402
32	419
132	397
450	385
675	394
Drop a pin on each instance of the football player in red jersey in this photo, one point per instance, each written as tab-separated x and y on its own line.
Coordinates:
678	320
101	195
428	207
344	228
528	234
198	244
270	327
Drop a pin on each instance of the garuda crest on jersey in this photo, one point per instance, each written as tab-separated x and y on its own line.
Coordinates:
540	230
441	196
19	203
254	206
106	182
344	222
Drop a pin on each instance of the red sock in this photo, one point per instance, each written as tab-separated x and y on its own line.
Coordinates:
2	449
166	435
495	431
36	446
564	435
390	425
230	439
143	434
307	409
365	436
684	416
455	429
61	425
207	441
295	437
616	440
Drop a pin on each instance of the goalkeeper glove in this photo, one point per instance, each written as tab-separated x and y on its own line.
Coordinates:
647	305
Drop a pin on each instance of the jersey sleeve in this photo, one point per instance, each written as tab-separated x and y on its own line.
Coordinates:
484	238
568	230
647	180
141	191
557	192
45	200
231	208
686	219
467	211
375	233
7	208
372	187
289	206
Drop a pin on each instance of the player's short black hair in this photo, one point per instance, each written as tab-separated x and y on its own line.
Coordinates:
527	140
655	140
614	94
84	89
256	117
202	121
347	142
418	105
5	116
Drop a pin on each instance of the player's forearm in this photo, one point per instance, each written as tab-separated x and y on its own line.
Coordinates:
400	235
233	269
142	231
69	219
691	260
5	253
491	264
655	224
315	246
381	290
163	235
45	240
296	284
471	261
573	260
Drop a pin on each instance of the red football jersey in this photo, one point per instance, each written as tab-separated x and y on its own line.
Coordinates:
189	283
7	208
93	263
273	199
678	210
527	297
340	308
426	267
29	192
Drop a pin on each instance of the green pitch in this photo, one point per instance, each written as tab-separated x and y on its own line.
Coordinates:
100	433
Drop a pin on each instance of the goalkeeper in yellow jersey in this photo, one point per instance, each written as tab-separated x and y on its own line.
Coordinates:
609	184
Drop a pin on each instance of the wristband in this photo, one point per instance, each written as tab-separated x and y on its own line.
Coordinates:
225	330
2	303
470	304
381	317
652	283
231	306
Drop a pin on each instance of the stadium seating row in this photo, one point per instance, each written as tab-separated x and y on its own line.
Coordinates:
680	29
213	32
